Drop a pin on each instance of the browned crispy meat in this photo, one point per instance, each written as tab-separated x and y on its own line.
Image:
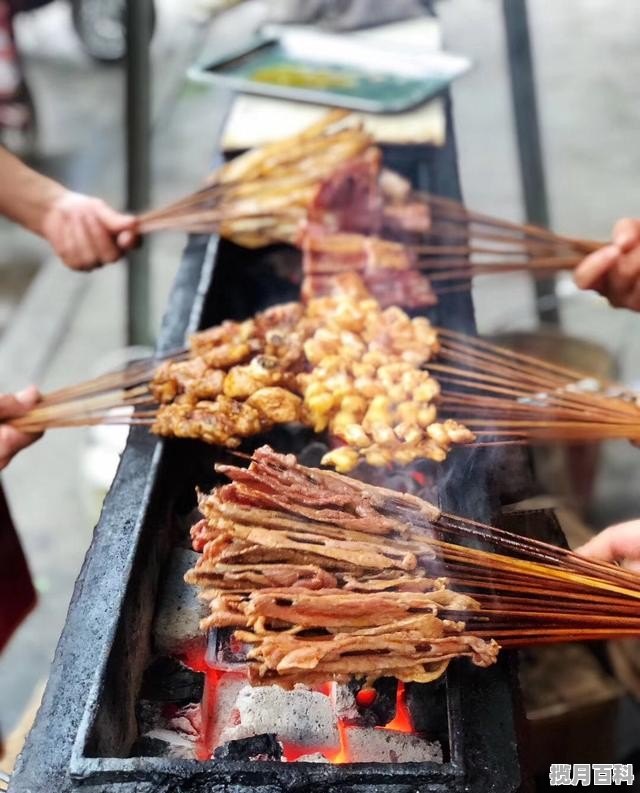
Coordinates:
229	332
276	405
263	371
191	377
223	422
341	362
349	199
320	574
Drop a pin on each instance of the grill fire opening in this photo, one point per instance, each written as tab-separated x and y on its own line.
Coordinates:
330	723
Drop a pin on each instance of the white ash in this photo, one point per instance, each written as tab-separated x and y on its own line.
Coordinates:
344	703
316	757
179	747
226	693
187	722
300	717
374	745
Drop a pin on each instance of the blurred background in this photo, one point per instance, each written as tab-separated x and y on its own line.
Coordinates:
56	326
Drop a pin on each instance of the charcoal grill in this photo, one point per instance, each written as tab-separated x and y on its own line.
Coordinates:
86	726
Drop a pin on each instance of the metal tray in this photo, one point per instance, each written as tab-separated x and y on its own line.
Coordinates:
330	69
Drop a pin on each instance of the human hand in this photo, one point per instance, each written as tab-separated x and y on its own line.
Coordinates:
85	232
614	270
618	543
13	440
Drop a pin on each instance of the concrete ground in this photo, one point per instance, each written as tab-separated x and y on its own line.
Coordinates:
587	65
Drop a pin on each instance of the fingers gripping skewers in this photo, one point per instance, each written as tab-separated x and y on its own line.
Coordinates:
327	577
385	387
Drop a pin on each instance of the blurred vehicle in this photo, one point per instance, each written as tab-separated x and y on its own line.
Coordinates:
100	25
101	28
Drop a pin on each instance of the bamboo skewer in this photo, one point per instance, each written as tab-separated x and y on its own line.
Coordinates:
465	273
267	195
587	246
503	396
526	592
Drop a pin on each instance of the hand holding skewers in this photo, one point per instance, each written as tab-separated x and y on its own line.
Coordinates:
12	440
614	270
83	231
618	543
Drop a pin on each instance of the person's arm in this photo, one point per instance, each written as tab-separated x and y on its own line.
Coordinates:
614	270
11	439
84	231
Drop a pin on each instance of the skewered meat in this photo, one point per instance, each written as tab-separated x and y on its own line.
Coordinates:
349	199
192	377
351	600
276	405
332	253
409	288
224	421
360	197
386	268
403	219
263	371
340	363
405	651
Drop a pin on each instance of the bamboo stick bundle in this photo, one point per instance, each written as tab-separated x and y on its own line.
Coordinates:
330	177
414	276
505	395
323	575
387	388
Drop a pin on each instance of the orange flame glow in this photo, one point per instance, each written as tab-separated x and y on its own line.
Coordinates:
401	722
208	714
342	755
194	659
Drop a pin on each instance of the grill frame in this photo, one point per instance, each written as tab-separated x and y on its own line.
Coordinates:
483	712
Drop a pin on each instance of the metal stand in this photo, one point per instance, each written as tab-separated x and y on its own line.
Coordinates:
138	21
525	111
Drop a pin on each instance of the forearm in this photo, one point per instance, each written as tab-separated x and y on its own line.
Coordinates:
25	196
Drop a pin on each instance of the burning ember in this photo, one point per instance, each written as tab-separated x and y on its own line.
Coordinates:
329	723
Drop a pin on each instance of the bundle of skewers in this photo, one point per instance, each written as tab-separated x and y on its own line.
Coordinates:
325	577
325	191
386	388
331	364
